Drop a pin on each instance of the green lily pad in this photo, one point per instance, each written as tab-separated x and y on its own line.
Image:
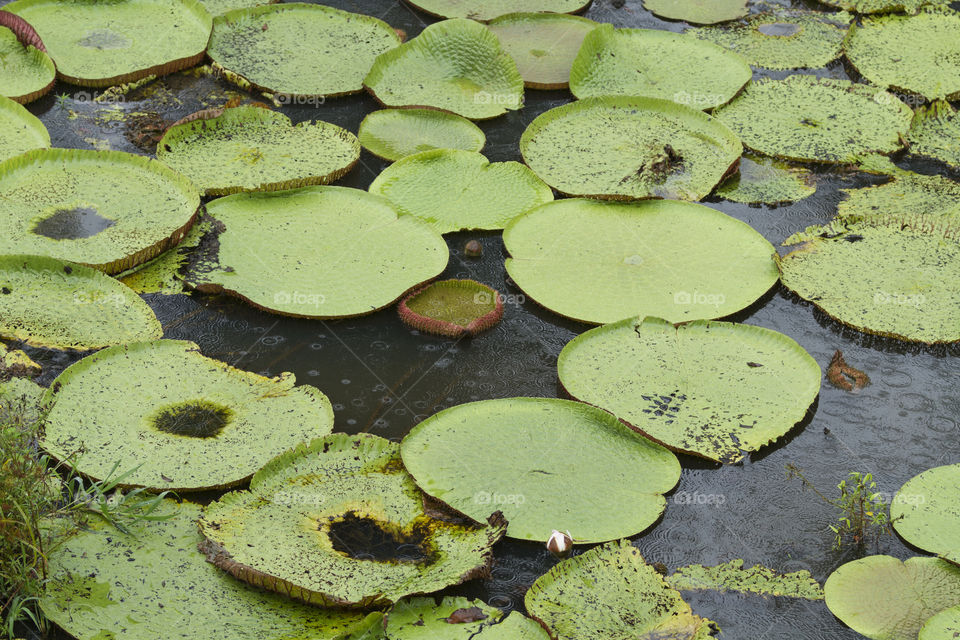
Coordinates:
698	11
164	274
803	117
886	599
453	308
545	447
254	149
455	65
883	6
393	134
100	43
780	41
915	53
935	133
626	148
316	252
888	275
219	7
179	420
763	180
732	577
926	514
153	583
16	364
59	305
104	209
456	190
543	45
656	64
27	72
713	389
489	9
20	130
275	48
903	197
457	619
339	522
942	626
599	262
610	592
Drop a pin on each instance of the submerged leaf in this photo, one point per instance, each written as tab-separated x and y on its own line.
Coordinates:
20	130
453	308
935	133
926	513
698	11
544	45
731	576
163	274
393	134
489	9
457	619
767	181
26	72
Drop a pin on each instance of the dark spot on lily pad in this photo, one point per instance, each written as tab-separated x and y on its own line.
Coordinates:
194	419
72	224
365	538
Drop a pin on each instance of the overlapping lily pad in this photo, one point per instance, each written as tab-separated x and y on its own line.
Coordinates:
453	308
945	624
339	522
300	49
886	599
926	513
935	133
611	592
489	9
455	65
316	252
99	43
544	448
543	45
27	72
698	11
393	134
105	209
601	262
164	274
49	303
883	6
20	130
767	181
153	583
630	148
254	149
915	53
455	190
732	577
905	196
179	420
656	64
457	619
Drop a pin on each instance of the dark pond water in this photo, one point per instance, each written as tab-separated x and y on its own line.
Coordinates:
384	378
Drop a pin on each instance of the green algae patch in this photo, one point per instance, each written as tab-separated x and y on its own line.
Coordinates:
254	149
340	523
16	364
484	10
105	209
780	41
763	180
299	50
49	303
611	592
917	54
817	119
935	133
164	274
455	65
151	582
926	514
656	64
100	43
628	148
884	6
455	190
316	252
179	420
908	194
886	599
732	577
604	261
27	72
219	7
718	390
393	134
944	625
544	45
698	11
457	619
20	130
452	308
545	447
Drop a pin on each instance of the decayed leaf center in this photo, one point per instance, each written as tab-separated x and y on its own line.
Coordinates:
193	419
364	538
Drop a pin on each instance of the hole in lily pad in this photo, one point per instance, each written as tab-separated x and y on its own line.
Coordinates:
365	538
194	419
72	224
779	29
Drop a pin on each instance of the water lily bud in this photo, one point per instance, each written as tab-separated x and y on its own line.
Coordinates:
473	249
560	544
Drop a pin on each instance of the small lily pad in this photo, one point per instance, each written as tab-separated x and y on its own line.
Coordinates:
935	133
944	625
457	619
763	180
455	190
20	130
732	577
543	45
27	72
16	364
905	196
393	134
453	308
925	511
455	65
254	149
698	11
489	9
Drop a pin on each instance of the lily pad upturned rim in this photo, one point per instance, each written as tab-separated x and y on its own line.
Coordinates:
413	3
15	109
28	37
450	329
659	12
378	147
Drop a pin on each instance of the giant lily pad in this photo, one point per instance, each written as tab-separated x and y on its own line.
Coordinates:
276	48
20	130
803	117
99	43
656	64
698	11
455	190
713	389
889	275
883	6
151	582
50	303
545	447
453	308
179	420
454	65
254	149
457	619
935	133
316	252
886	599
611	593
944	625
339	522
916	53
489	9
601	262
927	514
768	181
630	148
105	209
27	72
903	197
392	134
543	45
